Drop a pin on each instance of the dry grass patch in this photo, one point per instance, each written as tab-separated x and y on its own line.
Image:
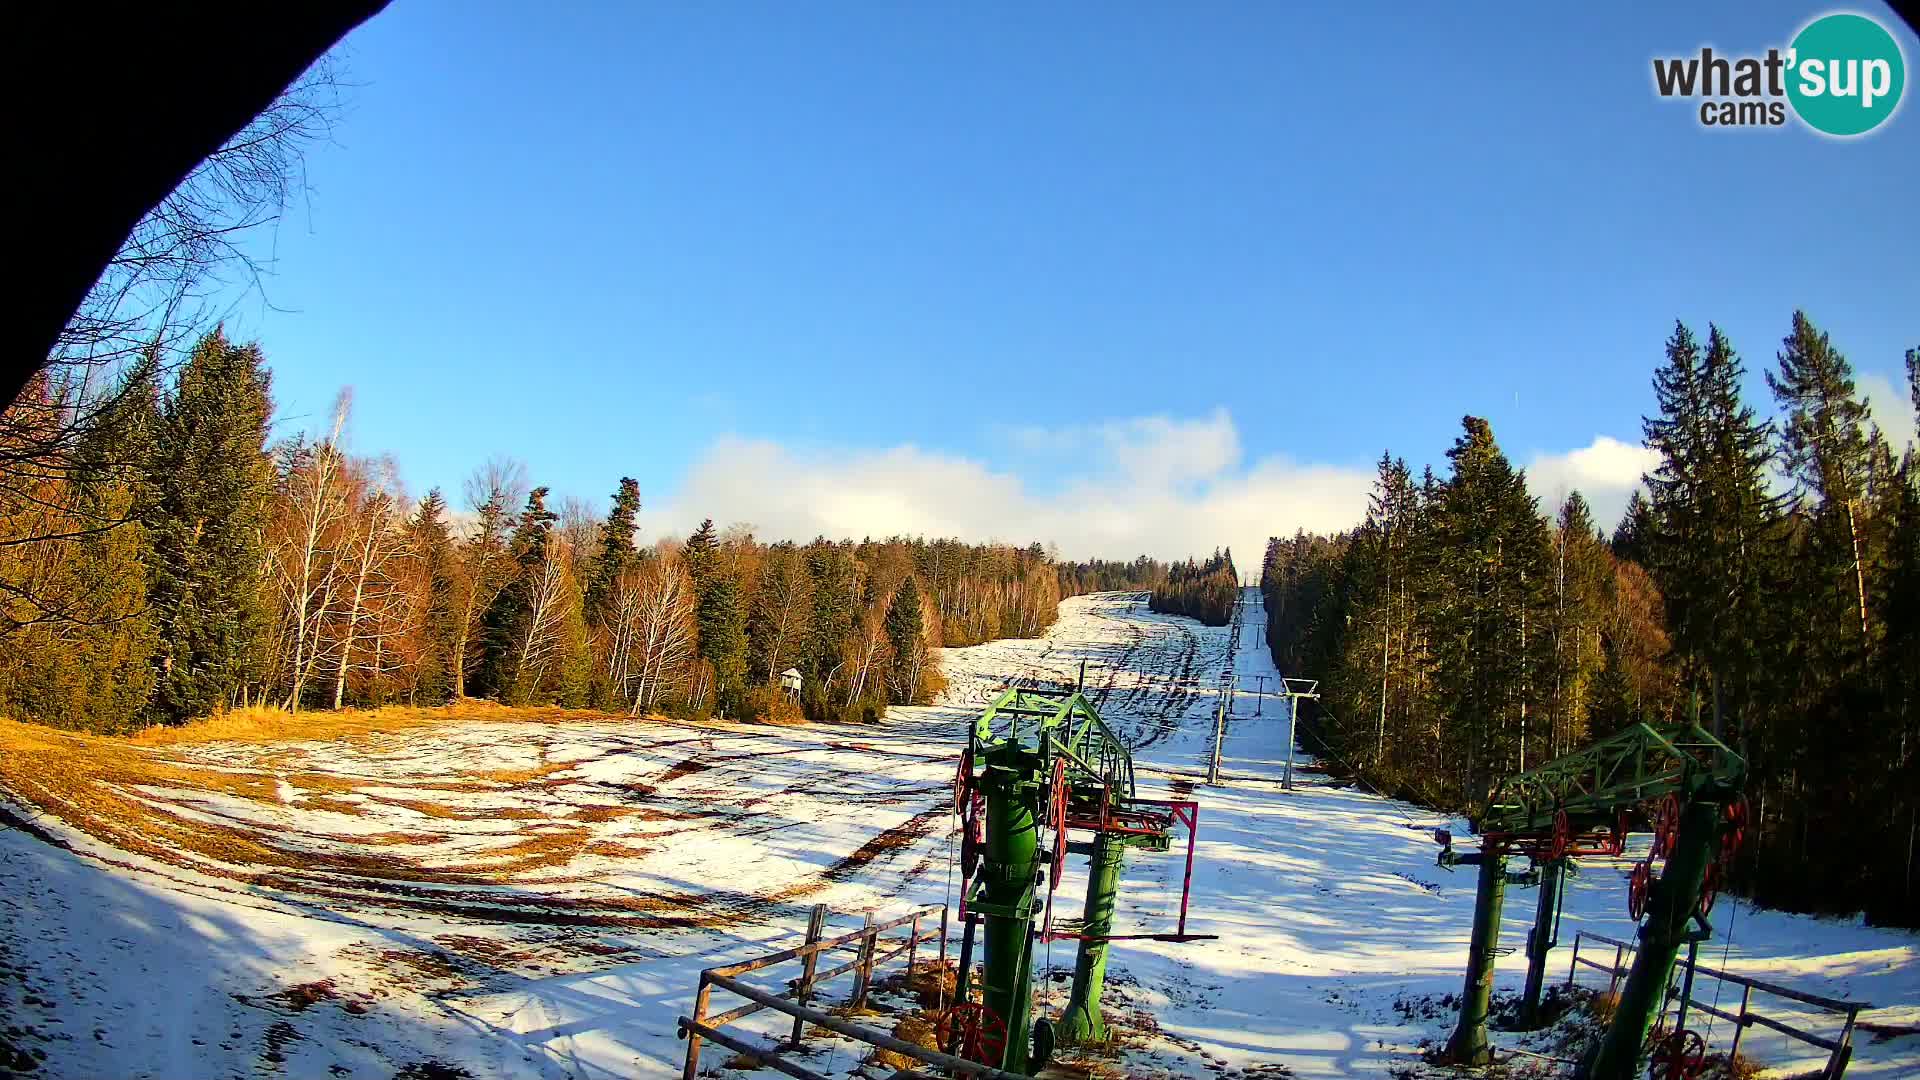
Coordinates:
601	814
262	724
146	795
613	849
921	1029
112	790
428	809
327	782
334	806
391	839
519	777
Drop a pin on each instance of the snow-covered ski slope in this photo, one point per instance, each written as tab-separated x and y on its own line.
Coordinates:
535	900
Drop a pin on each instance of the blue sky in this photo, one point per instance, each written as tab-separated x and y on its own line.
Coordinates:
1122	277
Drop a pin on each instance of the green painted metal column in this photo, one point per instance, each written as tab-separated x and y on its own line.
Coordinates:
1082	1021
1011	781
1469	1045
1540	940
1669	910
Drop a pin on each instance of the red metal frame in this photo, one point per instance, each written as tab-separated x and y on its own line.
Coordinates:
1132	820
1560	842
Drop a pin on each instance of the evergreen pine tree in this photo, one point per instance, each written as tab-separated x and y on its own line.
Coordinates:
1715	543
722	623
504	624
616	552
1632	536
1823	445
834	588
1491	624
1913	381
1827	448
1582	572
432	544
211	481
1609	697
906	637
1745	533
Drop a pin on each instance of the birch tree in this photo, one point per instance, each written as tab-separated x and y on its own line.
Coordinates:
656	603
315	511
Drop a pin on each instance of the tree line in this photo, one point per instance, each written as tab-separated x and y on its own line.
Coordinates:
1767	583
166	560
1205	590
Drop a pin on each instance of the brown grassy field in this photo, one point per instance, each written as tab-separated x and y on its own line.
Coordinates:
108	787
477	811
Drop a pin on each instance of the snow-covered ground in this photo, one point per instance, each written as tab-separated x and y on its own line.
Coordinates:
536	900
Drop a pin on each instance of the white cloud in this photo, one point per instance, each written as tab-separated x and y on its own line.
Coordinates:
1604	471
1158	450
1156	485
1162	486
1892	407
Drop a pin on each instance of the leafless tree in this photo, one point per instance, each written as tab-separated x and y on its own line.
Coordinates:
375	547
492	493
655	619
866	648
579	525
301	558
201	238
786	602
550	602
154	296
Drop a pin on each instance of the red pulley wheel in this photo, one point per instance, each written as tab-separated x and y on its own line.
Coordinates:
1709	890
1639	884
1562	835
981	1035
1734	832
963	779
1666	826
1681	1055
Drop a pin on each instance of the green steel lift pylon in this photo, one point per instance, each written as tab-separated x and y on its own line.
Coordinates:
1579	805
1037	762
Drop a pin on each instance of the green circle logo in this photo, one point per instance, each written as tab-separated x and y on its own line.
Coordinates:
1845	74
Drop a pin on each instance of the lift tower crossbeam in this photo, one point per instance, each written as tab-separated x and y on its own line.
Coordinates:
1579	804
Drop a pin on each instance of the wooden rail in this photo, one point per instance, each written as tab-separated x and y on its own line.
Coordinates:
871	951
1839	1048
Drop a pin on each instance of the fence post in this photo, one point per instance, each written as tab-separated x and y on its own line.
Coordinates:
863	970
1574	964
816	924
913	942
1837	1064
1740	1028
693	1037
1613	977
943	937
1686	984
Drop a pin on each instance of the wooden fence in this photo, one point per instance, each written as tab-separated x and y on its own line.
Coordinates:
1839	1047
870	951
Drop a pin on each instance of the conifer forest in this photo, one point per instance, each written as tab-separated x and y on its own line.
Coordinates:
1767	581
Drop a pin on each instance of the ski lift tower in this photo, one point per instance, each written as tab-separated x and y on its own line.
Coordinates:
1581	804
1293	690
1044	766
